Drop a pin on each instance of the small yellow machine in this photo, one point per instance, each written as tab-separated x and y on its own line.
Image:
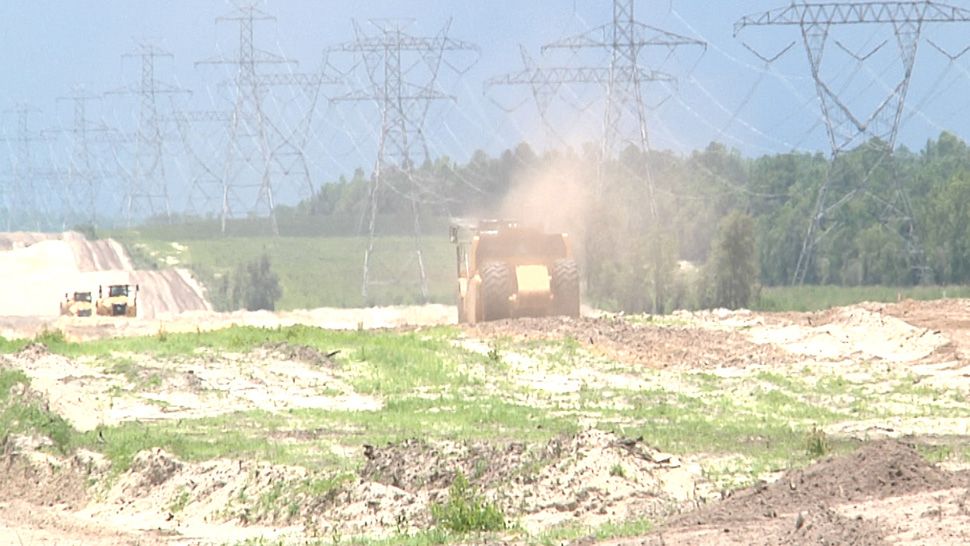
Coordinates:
506	270
121	301
77	304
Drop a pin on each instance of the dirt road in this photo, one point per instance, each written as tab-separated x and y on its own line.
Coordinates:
39	269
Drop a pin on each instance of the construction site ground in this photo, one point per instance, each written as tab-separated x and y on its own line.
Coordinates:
331	426
849	425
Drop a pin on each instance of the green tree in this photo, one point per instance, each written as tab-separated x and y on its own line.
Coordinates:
732	269
255	286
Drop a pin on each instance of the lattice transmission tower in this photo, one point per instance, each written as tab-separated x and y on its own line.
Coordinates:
24	200
83	178
147	189
205	179
260	150
403	73
848	125
624	79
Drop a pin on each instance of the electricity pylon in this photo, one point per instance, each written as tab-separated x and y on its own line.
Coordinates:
624	80
847	126
403	72
82	180
257	146
22	197
147	190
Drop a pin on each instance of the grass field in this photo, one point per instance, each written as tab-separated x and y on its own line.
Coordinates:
315	272
325	271
815	298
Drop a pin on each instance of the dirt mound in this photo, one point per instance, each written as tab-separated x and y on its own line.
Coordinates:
878	470
33	351
154	468
657	346
590	478
300	353
168	292
414	465
98	255
23	239
820	525
30	475
858	332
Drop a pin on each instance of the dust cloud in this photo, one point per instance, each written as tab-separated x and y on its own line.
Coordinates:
554	196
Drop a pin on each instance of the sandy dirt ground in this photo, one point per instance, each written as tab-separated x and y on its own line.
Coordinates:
39	269
885	493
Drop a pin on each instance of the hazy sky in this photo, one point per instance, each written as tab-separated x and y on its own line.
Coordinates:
725	94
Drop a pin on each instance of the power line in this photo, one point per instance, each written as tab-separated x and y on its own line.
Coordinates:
21	195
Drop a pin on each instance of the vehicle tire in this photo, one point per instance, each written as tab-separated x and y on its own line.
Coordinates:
497	288
565	288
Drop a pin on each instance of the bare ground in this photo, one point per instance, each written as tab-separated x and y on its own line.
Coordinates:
883	494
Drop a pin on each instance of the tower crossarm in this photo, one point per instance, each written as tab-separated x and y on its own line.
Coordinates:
567	75
845	13
391	35
640	36
416	94
300	80
201	116
258	57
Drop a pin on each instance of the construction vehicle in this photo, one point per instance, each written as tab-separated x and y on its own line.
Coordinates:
121	301
77	304
506	270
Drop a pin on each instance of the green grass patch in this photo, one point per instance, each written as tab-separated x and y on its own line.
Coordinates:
817	298
769	426
609	531
453	417
383	347
179	502
25	414
313	271
240	435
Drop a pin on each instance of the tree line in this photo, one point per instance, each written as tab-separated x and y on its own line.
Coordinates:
659	230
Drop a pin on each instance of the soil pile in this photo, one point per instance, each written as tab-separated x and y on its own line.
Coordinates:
878	470
589	478
853	333
809	506
646	344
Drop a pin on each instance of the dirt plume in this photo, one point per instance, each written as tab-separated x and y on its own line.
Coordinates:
564	181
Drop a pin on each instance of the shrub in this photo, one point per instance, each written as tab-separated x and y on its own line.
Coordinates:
466	511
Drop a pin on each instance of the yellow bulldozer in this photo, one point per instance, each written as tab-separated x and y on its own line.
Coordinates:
121	301
77	304
506	270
